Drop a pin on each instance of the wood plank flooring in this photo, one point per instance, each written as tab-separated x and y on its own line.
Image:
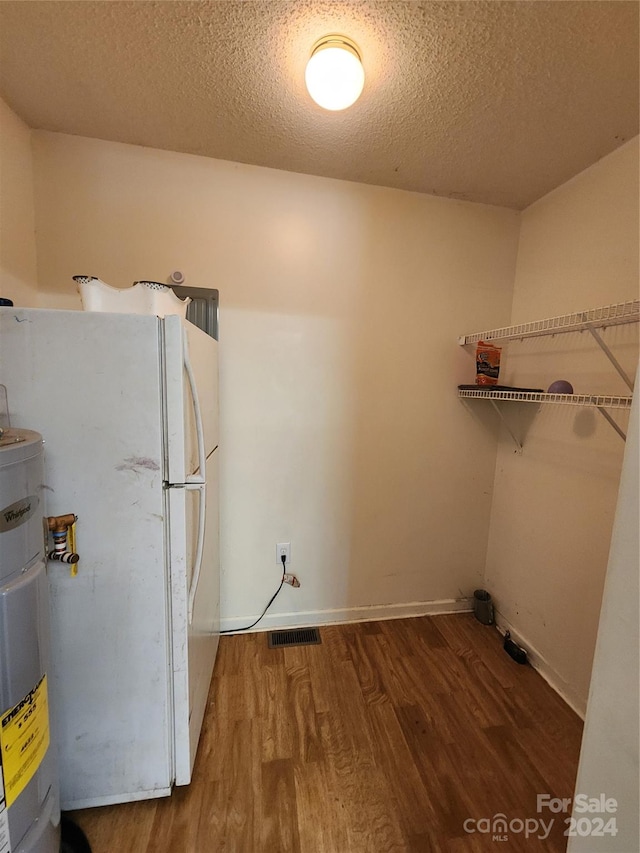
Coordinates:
385	738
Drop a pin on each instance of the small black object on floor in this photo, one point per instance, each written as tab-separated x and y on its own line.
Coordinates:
517	652
72	838
294	637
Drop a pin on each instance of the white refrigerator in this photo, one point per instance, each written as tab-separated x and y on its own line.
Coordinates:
128	408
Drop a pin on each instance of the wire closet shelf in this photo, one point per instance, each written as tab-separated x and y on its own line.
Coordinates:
598	401
596	318
618	314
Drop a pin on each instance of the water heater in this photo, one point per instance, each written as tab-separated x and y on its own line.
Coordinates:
29	806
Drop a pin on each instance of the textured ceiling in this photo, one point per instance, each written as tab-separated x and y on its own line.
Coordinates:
493	101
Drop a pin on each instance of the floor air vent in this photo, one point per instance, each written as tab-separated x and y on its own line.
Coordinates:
294	637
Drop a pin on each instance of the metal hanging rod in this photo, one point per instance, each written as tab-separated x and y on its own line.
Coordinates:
597	318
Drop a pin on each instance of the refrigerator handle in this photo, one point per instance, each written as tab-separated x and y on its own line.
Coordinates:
196	481
202	459
195	577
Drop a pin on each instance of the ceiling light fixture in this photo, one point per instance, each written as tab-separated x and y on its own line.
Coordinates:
334	75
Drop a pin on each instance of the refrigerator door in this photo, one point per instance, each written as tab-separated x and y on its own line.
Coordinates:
195	610
191	387
92	382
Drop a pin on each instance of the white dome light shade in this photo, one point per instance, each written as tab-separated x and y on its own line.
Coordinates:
334	75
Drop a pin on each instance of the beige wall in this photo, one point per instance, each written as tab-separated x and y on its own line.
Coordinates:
341	431
553	505
18	275
340	426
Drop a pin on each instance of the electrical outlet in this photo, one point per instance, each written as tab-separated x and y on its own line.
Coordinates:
283	548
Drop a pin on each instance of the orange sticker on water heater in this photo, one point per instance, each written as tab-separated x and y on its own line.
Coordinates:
24	740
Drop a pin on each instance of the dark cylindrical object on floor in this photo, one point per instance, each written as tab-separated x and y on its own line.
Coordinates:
483	606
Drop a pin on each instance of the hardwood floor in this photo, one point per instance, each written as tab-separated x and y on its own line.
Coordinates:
386	737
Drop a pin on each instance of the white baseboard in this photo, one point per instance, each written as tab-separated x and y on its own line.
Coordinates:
372	613
546	670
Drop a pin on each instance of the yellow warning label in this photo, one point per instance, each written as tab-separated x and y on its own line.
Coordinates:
24	740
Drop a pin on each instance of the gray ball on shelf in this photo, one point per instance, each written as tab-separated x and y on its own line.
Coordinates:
560	386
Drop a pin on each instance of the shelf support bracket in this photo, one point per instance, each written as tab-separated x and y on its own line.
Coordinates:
605	414
504	421
614	361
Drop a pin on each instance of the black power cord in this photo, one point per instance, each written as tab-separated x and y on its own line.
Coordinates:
283	557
